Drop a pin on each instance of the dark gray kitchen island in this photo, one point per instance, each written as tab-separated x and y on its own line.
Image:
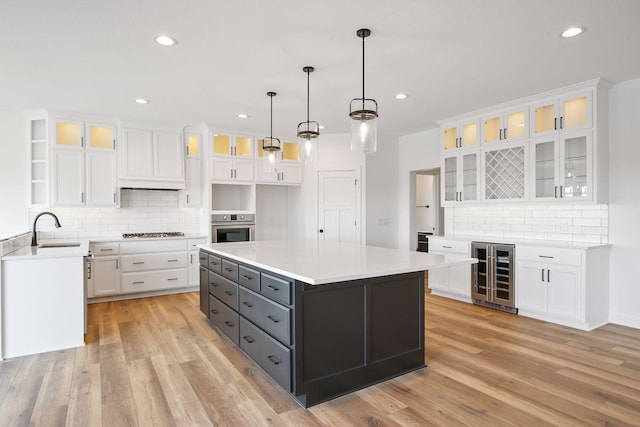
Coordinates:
321	318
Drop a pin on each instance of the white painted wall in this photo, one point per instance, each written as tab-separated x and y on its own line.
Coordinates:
333	153
382	194
624	203
418	151
14	174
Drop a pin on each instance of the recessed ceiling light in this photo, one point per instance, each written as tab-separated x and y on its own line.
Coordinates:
401	96
243	116
166	40
142	101
572	32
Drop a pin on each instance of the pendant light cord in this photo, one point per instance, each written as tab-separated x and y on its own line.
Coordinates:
308	72
271	121
363	37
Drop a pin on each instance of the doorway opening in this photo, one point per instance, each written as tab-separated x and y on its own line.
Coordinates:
427	215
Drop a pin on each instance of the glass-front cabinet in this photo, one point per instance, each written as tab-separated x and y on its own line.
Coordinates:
557	115
462	134
508	125
231	145
461	178
287	168
562	167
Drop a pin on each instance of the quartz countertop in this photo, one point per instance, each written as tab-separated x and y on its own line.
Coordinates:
517	241
30	252
317	262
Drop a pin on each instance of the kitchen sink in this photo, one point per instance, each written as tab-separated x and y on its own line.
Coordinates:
59	245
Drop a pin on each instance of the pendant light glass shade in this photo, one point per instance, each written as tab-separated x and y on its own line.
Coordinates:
307	131
270	145
364	132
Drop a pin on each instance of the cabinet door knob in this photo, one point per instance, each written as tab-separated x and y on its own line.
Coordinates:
321	230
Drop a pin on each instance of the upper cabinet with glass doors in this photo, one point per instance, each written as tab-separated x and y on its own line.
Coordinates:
461	178
508	125
562	114
232	145
462	134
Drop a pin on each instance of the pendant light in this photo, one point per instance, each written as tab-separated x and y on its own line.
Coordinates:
363	121
307	131
271	145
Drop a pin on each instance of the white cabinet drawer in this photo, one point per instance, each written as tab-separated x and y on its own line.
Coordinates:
153	261
99	249
449	246
193	244
549	255
153	246
153	281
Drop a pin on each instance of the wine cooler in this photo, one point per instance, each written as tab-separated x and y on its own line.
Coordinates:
492	282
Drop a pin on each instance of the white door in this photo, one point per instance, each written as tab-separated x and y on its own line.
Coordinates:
339	206
105	277
101	178
68	187
168	155
137	155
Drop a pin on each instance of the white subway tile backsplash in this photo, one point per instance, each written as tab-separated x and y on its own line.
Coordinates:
554	221
140	211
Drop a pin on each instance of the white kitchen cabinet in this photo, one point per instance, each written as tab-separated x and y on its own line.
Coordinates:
289	167
153	265
460	134
152	159
103	275
231	169
504	172
506	125
562	167
194	261
83	164
562	285
461	173
566	113
452	282
191	196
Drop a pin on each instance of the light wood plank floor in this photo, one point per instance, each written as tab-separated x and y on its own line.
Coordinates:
156	361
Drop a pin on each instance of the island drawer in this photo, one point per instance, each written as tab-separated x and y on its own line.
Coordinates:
276	288
224	289
153	261
268	315
249	278
153	280
230	270
215	264
272	356
224	319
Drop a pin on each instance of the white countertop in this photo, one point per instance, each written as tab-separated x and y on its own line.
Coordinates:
516	241
317	262
30	252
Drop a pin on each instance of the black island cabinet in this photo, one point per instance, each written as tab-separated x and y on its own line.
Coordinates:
317	341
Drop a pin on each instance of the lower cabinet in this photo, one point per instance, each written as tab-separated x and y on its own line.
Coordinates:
452	282
561	285
317	342
103	274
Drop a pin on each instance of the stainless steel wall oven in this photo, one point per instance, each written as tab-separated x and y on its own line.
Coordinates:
232	228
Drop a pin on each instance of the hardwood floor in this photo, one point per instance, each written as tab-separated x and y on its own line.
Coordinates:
157	361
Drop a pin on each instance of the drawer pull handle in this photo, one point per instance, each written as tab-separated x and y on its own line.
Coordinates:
273	288
139	282
105	250
248	339
247	277
229	293
229	323
273	360
545	256
213	284
213	262
214	311
447	247
173	278
229	269
273	319
172	260
247	304
138	263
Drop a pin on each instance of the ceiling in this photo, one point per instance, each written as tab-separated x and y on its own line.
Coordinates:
450	57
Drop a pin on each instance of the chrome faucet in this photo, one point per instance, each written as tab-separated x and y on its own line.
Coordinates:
34	240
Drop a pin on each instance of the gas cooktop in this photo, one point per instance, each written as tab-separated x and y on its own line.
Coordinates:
151	235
